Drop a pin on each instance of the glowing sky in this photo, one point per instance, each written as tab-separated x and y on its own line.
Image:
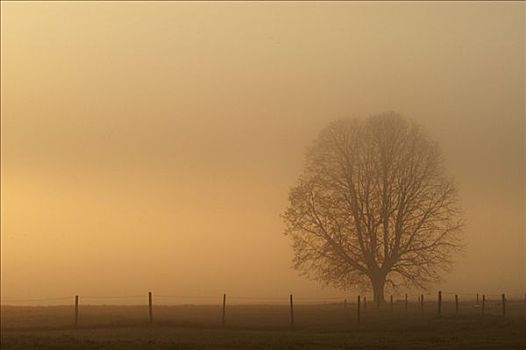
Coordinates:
151	146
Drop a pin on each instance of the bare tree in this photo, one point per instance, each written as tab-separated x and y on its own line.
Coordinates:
374	207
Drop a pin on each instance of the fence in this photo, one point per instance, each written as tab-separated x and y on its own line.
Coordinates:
482	304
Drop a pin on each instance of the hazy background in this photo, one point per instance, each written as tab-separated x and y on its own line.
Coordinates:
151	146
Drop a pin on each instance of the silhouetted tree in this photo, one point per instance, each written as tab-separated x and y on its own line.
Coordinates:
373	207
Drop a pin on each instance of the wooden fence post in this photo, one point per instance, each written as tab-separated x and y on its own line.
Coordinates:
483	303
291	312
421	302
503	305
439	302
391	303
358	309
76	310
405	301
364	303
477	298
456	303
150	307
224	310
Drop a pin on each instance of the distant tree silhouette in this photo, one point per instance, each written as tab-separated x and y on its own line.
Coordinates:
374	207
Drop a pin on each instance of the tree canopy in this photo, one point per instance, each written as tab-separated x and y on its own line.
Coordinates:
374	207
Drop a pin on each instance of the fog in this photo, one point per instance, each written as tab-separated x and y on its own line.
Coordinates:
151	146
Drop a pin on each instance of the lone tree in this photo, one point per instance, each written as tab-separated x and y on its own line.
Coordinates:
373	207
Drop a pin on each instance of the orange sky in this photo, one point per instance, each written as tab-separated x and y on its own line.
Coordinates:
151	146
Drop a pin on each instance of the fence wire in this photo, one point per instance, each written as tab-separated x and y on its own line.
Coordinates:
447	296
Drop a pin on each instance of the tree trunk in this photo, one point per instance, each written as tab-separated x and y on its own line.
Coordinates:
378	283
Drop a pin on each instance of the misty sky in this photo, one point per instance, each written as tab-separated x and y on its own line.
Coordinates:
151	146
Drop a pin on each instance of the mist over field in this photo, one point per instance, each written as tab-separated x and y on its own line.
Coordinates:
152	146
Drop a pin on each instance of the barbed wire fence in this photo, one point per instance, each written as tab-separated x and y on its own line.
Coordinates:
439	303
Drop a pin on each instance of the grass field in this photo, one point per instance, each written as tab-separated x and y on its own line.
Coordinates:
262	327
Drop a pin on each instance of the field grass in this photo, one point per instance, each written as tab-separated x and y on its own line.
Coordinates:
262	327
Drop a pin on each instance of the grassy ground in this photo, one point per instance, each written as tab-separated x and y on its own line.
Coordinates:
260	327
